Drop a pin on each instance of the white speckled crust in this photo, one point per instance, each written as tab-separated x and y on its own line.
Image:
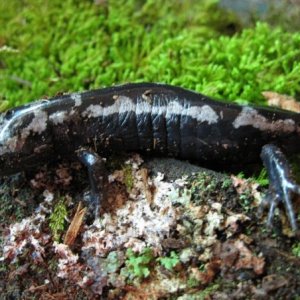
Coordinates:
136	221
250	116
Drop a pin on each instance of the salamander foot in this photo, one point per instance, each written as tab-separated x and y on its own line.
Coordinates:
281	185
97	177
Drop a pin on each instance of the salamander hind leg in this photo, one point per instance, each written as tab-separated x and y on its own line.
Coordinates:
97	177
281	185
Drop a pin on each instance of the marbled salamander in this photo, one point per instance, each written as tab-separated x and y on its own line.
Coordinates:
154	118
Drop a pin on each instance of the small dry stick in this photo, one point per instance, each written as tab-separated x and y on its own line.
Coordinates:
75	225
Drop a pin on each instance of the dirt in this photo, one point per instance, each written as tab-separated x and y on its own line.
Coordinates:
192	234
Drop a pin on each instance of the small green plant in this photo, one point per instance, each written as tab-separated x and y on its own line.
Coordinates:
128	178
201	295
57	220
3	105
203	186
209	290
296	249
169	262
262	178
226	183
138	265
241	175
192	282
246	200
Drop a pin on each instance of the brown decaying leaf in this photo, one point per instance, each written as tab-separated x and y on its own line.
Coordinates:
282	101
212	268
75	225
235	254
241	185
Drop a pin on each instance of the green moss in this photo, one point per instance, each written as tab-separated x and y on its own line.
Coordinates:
296	249
57	220
262	178
192	282
246	201
227	183
204	294
75	45
128	178
203	186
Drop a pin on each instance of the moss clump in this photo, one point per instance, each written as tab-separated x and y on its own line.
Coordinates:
57	220
128	178
75	45
203	186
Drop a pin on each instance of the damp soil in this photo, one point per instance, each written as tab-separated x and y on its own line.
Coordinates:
196	235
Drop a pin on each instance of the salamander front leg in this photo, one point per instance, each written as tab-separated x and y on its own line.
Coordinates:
281	185
97	177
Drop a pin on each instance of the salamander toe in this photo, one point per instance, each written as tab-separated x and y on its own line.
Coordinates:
282	187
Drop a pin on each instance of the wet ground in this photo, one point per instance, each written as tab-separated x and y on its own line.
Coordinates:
168	230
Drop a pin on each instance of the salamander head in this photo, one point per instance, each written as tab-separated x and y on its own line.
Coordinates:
23	138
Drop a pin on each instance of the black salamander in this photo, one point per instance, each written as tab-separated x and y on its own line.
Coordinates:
152	118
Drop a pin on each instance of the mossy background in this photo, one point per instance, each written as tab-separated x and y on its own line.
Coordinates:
47	47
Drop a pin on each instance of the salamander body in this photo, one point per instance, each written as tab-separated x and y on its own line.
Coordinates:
153	118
